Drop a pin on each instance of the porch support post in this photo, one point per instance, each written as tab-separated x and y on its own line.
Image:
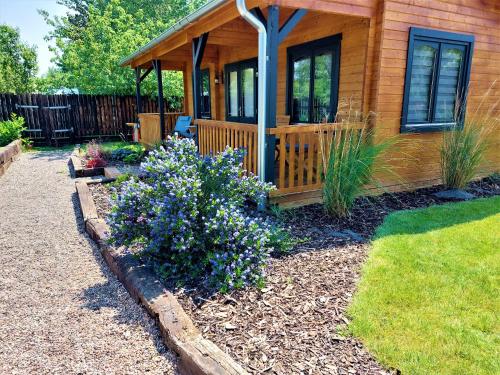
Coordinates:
161	107
199	45
275	35
138	102
272	91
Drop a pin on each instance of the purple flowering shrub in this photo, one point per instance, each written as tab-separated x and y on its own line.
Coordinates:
190	214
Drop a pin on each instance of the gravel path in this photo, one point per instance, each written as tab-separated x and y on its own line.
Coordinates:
61	310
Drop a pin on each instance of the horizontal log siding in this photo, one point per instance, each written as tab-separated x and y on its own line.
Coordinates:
313	26
373	64
480	18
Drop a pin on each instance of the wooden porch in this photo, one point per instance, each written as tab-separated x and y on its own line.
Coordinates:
297	155
219	65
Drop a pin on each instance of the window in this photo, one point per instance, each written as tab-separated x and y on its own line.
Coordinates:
437	76
313	76
204	106
241	91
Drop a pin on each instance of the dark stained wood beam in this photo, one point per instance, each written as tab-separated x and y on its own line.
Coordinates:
272	27
198	46
257	12
290	23
138	101
161	107
146	73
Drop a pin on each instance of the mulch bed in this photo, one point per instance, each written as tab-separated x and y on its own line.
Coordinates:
100	193
297	324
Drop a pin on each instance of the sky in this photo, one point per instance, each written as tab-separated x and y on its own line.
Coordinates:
23	15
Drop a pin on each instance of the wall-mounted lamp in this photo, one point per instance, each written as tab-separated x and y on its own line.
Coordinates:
219	77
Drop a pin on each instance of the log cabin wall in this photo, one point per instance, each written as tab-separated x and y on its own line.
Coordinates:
314	26
478	17
373	65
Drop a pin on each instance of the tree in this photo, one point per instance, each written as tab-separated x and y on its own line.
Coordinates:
18	62
96	34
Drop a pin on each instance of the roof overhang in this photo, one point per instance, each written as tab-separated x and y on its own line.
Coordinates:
182	24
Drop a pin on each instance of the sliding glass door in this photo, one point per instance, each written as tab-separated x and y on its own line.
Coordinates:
241	91
313	75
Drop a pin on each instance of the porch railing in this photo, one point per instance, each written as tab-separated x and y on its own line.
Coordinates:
150	126
298	154
214	136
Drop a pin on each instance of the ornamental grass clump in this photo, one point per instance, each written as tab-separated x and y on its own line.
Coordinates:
191	215
462	152
350	159
94	155
464	146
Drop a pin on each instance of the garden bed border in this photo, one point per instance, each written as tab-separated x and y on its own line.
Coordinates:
197	355
8	154
80	170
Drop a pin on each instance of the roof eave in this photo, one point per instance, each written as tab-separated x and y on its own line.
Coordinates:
183	23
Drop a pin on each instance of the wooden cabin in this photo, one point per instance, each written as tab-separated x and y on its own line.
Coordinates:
408	61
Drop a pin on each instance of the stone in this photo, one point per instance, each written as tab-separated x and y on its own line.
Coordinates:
355	236
347	234
333	233
454	194
228	326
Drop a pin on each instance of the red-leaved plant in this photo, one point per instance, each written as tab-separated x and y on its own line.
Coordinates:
95	155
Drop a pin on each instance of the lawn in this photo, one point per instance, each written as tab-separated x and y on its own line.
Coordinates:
429	297
107	147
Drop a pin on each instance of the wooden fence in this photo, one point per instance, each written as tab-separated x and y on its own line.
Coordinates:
51	119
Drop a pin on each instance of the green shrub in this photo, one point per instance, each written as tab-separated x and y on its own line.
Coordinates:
11	130
130	154
462	152
349	163
190	215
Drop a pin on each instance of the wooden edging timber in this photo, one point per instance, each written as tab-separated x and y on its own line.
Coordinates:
8	155
80	170
197	355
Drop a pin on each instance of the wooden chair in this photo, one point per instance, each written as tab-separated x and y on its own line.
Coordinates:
183	127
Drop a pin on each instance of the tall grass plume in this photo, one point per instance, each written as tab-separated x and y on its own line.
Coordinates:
464	147
350	159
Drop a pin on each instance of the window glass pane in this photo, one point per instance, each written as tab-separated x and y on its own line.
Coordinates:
248	88
424	56
233	93
301	81
447	88
205	94
322	87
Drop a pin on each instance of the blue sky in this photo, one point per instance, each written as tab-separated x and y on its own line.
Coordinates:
23	15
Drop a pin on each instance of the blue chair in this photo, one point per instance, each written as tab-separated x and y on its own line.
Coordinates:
182	127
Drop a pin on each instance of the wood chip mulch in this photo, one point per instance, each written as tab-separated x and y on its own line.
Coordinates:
297	324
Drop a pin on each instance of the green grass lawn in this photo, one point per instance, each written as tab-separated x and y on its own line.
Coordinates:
107	147
429	298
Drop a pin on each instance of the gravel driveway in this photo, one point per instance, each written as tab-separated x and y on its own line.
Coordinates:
61	309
